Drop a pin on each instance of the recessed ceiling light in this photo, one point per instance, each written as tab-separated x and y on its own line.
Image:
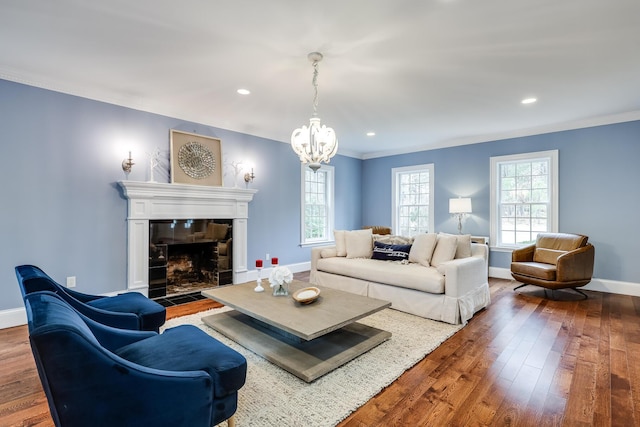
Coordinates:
529	100
244	91
371	134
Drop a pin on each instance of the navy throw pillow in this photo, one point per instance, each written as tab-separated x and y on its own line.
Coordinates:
387	252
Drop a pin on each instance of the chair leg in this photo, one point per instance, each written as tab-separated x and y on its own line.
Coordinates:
518	287
231	422
581	293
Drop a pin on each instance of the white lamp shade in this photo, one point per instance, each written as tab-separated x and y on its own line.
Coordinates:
460	205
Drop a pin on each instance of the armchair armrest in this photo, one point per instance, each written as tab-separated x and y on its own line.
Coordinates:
524	254
113	338
110	318
576	264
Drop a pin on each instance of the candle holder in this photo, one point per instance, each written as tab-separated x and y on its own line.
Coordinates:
259	287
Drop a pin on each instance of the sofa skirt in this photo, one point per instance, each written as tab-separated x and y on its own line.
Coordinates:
438	307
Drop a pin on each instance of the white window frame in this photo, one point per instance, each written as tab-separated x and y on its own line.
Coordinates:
395	194
330	196
552	224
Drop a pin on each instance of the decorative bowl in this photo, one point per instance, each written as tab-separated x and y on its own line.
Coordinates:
306	295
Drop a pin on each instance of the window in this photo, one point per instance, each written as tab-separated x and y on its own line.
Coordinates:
412	200
317	205
524	197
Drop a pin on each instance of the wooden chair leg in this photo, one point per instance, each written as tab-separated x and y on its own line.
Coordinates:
231	422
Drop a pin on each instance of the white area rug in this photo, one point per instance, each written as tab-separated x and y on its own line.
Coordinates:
274	397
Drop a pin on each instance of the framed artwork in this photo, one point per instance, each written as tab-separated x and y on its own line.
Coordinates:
195	159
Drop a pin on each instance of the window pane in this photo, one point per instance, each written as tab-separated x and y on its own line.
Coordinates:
523	192
539	225
508	237
413	201
316	208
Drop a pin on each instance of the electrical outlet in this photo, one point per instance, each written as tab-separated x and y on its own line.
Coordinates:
71	282
267	257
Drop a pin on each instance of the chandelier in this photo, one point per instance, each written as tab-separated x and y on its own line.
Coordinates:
315	143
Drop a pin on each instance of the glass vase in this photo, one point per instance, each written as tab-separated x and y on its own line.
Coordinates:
281	290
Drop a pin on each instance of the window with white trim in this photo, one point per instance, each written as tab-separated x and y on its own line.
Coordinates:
412	199
317	205
524	197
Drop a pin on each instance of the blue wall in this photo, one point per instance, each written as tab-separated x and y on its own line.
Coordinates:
61	206
598	189
62	210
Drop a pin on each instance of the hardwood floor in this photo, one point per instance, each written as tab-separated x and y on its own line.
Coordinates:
525	361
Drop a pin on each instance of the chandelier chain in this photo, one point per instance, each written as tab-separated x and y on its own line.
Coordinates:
315	86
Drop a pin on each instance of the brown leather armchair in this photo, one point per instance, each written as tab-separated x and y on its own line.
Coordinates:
555	261
378	229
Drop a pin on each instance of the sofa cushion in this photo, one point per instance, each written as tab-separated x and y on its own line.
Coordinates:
547	256
359	243
463	250
411	276
445	250
535	269
422	248
561	241
341	244
187	348
386	252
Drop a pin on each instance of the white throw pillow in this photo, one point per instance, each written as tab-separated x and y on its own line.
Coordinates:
464	245
445	249
359	243
422	248
341	244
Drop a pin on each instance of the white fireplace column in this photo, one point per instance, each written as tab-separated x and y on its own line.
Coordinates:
160	201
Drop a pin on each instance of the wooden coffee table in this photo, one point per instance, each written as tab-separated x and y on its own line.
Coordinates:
307	340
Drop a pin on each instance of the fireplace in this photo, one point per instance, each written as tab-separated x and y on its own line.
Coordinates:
193	210
187	256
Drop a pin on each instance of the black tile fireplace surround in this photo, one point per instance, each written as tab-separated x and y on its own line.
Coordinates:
187	256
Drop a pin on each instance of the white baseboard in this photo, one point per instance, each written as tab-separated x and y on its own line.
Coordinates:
613	287
500	273
18	316
295	268
599	285
13	317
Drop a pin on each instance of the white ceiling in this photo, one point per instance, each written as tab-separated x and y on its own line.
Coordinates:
420	73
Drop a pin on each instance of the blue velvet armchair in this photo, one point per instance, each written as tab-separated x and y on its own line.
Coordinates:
95	375
130	310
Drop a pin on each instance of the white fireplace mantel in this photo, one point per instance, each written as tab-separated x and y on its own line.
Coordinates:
154	201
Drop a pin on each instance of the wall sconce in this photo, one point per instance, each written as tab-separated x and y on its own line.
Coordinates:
458	208
248	177
127	163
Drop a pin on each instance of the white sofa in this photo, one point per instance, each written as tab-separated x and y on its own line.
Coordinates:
448	287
